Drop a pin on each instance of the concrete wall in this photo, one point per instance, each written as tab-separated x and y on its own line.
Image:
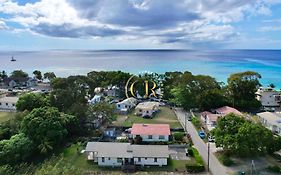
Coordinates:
150	161
7	106
155	138
109	161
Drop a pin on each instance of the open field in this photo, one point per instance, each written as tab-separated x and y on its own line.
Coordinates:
164	116
5	116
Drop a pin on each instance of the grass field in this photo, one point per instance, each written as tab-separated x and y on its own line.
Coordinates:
5	116
165	116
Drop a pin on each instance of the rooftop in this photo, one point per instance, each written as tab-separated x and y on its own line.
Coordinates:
271	117
147	105
9	99
150	129
227	110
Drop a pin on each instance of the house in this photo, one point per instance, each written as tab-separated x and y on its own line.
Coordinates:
96	99
209	119
269	98
8	103
112	91
271	120
223	111
19	82
147	108
117	154
126	105
151	132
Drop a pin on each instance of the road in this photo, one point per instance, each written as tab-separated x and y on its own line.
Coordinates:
216	167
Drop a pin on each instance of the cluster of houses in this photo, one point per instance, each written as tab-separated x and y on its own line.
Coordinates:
8	103
269	98
271	120
12	82
121	154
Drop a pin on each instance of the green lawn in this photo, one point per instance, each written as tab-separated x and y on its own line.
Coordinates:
165	116
5	116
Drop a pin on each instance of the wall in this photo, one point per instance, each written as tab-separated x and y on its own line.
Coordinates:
10	106
150	161
109	162
155	138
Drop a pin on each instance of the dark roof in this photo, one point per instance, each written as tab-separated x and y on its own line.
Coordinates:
16	79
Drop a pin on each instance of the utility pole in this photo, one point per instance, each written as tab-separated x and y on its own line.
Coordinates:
208	168
185	120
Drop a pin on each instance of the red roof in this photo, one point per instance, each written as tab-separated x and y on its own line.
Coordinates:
150	129
226	110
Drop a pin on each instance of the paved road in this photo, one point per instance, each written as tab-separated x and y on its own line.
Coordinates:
216	167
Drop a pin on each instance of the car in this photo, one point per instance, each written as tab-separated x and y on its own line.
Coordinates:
211	139
202	134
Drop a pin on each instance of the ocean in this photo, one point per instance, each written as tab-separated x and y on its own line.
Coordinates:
217	63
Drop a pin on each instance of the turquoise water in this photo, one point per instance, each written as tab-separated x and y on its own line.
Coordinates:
217	63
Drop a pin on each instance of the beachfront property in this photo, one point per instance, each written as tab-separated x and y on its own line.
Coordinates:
271	120
151	132
8	103
147	109
209	119
117	154
269	98
126	105
19	82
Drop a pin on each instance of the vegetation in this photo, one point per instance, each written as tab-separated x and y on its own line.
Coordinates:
178	136
38	74
30	101
196	122
225	160
243	138
5	116
198	166
19	74
49	75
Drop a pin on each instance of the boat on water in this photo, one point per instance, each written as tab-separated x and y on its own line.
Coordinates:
13	59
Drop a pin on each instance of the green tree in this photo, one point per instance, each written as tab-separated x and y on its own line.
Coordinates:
19	74
242	87
102	109
210	99
45	127
18	148
30	101
37	74
49	75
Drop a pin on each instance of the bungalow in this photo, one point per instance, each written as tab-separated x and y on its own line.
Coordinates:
147	109
126	105
117	154
269	98
151	132
8	103
271	120
14	82
223	111
209	119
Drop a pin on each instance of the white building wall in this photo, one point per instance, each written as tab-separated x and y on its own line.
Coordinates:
109	161
155	138
7	106
150	161
267	98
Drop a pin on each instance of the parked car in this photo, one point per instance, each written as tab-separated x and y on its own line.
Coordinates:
202	134
211	138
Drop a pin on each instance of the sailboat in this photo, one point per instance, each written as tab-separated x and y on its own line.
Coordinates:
13	59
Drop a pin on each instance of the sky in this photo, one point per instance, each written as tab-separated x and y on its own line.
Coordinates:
140	24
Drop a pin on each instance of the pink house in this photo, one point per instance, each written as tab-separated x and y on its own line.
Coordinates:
223	111
151	132
209	119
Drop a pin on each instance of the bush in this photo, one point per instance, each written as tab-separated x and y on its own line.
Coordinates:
195	168
197	156
196	122
225	160
274	169
178	136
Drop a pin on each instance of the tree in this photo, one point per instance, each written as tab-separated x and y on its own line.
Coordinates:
102	109
49	75
3	74
30	101
37	74
210	99
242	87
45	127
19	74
15	150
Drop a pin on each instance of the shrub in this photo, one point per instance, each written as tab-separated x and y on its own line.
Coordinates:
178	136
196	122
225	160
274	169
197	156
195	168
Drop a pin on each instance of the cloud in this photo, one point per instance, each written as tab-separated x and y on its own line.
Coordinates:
2	25
191	22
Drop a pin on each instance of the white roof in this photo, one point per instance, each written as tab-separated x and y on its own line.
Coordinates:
147	105
9	99
129	101
273	118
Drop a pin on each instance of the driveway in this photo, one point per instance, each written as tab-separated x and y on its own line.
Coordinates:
178	154
216	167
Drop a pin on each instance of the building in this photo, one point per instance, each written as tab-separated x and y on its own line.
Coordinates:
126	105
209	119
147	109
8	103
271	120
223	111
269	98
151	132
117	154
96	99
20	82
112	91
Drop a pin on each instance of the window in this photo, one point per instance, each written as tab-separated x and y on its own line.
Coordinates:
119	106
155	159
109	158
139	159
161	137
102	159
13	104
150	137
7	104
0	104
145	158
119	160
126	106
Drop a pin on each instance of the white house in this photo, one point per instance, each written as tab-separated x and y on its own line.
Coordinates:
112	91
96	99
117	154
271	120
151	132
269	98
209	119
126	105
8	103
147	108
26	82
